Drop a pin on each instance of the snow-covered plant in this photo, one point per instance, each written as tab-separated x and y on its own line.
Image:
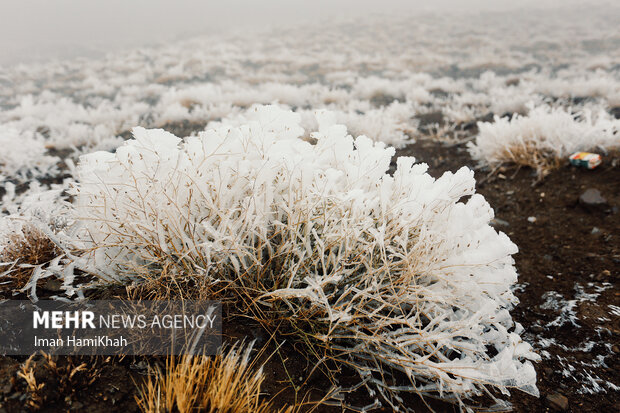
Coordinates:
544	138
396	276
35	237
70	124
388	124
23	155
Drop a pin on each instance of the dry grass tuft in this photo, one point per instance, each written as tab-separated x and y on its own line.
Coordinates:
49	380
30	246
527	154
165	286
34	389
222	383
24	251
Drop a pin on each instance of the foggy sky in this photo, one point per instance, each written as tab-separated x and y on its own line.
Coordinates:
42	29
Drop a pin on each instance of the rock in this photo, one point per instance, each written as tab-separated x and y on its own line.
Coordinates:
489	117
140	366
439	93
592	198
496	222
429	119
595	231
603	275
557	401
531	220
53	285
537	329
383	99
257	332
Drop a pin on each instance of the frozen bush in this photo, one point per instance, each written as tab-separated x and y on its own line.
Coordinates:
398	277
31	226
389	124
544	138
23	155
92	124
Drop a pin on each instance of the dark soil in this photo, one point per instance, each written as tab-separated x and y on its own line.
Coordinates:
568	251
569	247
105	385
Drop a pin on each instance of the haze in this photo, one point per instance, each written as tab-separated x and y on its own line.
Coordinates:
32	30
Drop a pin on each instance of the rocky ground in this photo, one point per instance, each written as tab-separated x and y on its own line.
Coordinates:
567	229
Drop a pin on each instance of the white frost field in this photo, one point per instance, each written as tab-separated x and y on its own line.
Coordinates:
210	154
380	76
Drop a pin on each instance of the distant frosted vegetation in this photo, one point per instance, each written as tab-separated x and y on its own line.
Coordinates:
378	76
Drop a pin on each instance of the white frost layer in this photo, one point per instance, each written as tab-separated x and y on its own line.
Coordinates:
399	270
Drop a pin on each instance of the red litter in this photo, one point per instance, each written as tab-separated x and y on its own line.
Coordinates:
585	159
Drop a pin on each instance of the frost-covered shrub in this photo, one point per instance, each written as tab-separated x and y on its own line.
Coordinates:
389	124
397	276
23	155
92	123
31	226
584	85
544	138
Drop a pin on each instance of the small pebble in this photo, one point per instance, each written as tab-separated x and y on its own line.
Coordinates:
557	401
592	198
537	329
531	219
496	222
77	406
